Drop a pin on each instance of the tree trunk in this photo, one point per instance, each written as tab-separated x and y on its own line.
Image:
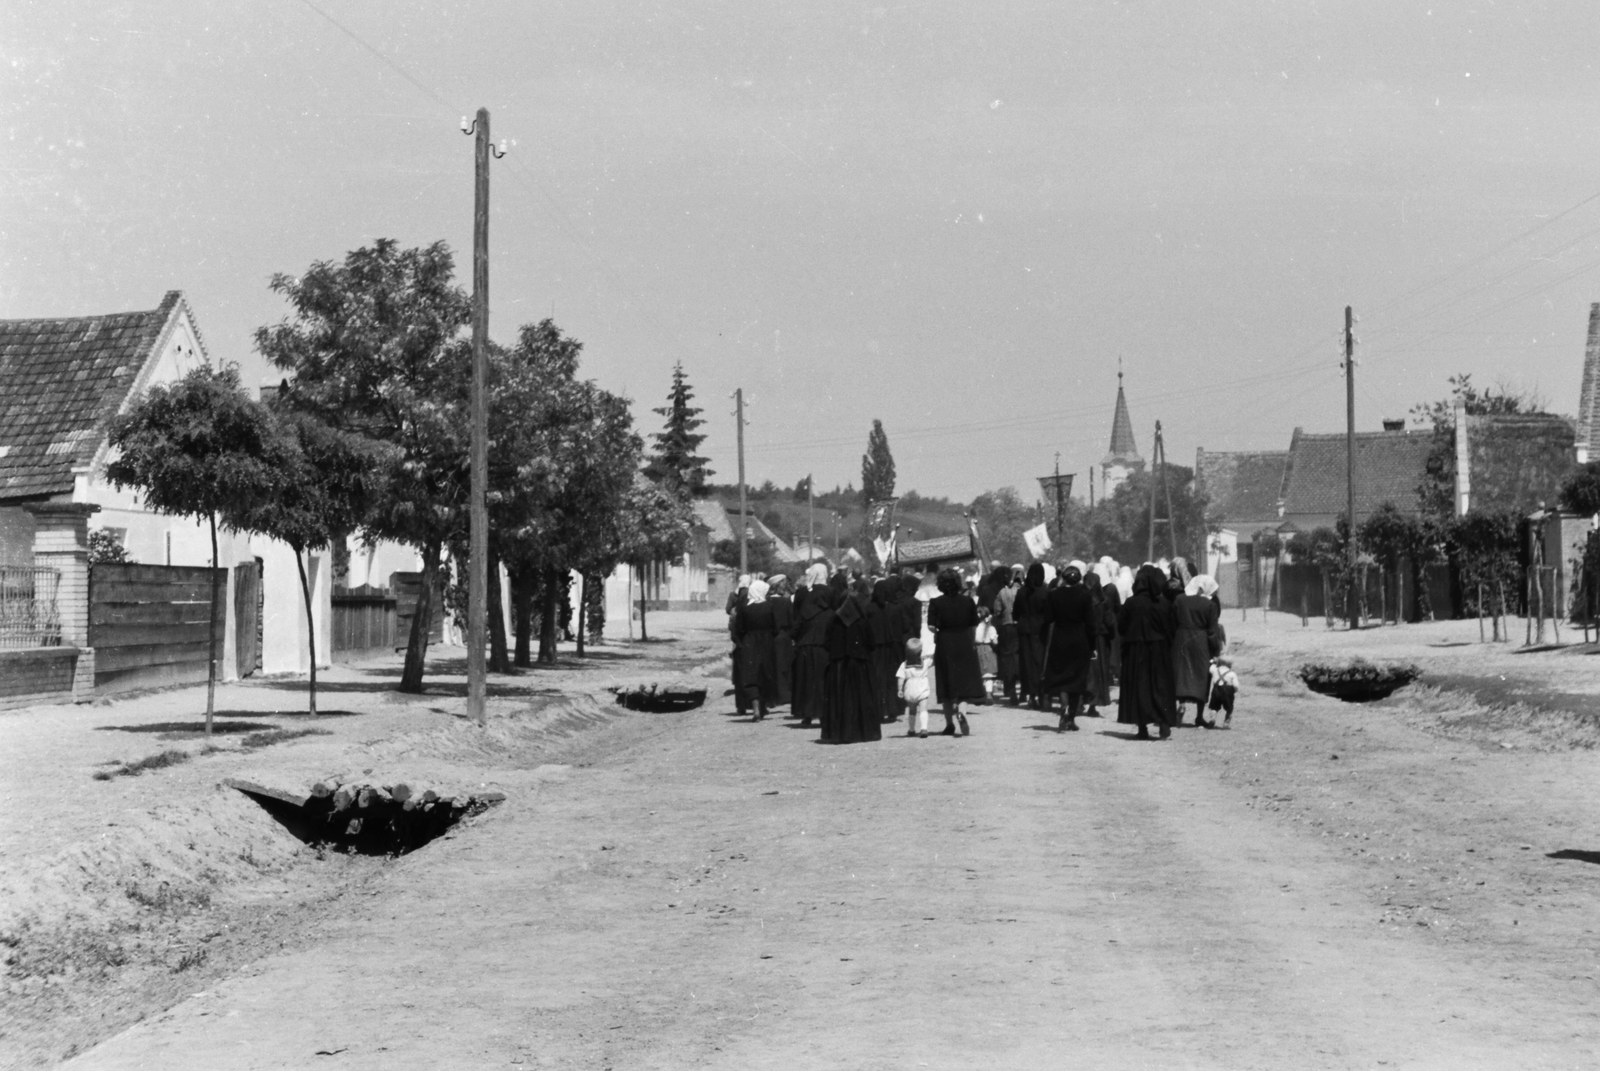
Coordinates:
522	614
583	606
211	632
421	622
311	624
643	633
547	616
499	658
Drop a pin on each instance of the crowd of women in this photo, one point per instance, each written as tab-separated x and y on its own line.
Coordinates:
847	653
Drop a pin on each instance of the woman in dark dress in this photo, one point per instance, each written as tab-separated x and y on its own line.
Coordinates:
811	655
1070	646
888	646
851	710
1145	627
1195	643
1030	610
782	638
754	632
1105	629
953	617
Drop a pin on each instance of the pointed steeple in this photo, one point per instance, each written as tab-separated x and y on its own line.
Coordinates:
1124	447
1589	398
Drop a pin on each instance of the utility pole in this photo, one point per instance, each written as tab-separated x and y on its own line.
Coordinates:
1352	605
478	514
744	509
1158	471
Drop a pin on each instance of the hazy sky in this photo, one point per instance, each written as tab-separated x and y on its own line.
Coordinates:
950	216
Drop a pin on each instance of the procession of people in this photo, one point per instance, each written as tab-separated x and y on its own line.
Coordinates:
851	653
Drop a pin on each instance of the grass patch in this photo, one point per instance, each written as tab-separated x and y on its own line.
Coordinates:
277	736
158	761
1517	724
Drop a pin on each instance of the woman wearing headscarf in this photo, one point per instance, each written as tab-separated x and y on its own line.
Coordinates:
953	619
782	638
1145	624
851	710
754	629
888	646
1030	610
1069	646
736	600
810	631
1105	630
1195	643
1007	650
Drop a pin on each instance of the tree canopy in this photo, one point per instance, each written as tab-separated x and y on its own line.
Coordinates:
675	462
877	466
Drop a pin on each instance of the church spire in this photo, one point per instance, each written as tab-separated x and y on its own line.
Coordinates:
1124	458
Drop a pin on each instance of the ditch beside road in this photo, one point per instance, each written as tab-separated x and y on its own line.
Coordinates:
1324	885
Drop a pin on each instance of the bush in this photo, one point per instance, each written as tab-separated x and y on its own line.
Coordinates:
1358	681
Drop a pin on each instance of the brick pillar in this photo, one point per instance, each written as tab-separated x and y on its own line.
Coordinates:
61	541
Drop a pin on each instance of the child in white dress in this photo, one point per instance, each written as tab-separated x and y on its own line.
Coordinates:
913	689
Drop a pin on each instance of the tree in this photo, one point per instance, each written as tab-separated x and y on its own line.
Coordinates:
802	490
1581	492
197	448
675	463
1002	517
106	548
1388	535
877	466
1487	545
654	528
374	351
1119	525
321	494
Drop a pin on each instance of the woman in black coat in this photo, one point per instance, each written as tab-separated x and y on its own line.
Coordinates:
888	646
754	629
1146	627
1102	674
1070	646
850	714
810	633
953	617
1030	610
782	638
1195	642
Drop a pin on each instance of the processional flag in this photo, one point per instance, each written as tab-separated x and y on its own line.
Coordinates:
1038	540
880	527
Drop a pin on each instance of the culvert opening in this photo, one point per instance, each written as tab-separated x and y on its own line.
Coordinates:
366	818
661	699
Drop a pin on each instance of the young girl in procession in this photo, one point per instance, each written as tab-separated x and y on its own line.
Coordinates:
1224	689
984	639
912	686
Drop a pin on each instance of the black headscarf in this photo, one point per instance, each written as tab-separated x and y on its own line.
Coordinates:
1035	577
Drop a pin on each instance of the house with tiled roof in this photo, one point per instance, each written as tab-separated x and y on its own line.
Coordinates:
1390	466
1243	491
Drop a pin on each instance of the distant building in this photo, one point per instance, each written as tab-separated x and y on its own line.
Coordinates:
1390	466
1515	461
1244	494
1123	459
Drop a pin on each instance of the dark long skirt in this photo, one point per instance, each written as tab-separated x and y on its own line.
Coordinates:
758	670
1191	665
783	655
1031	662
957	674
851	715
1008	655
885	664
1102	675
1146	689
810	690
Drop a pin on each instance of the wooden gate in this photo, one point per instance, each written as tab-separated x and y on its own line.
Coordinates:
363	623
247	598
148	624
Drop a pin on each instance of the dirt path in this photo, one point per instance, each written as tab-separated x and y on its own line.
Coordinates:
712	893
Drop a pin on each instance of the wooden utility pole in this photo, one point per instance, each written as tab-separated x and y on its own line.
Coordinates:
1352	605
1158	472
744	508
478	515
811	518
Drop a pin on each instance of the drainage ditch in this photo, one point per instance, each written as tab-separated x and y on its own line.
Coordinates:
366	818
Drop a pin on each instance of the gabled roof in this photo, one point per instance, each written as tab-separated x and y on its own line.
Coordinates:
1518	461
1243	487
63	379
710	513
1124	447
1389	467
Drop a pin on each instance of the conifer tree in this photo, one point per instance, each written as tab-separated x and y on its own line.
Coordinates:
877	466
675	463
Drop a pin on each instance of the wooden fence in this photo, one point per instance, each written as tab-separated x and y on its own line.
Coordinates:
406	587
364	621
148	624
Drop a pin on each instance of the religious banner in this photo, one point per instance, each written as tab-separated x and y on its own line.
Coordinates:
1038	540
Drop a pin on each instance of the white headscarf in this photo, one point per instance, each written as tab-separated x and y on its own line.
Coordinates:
744	580
1201	585
817	574
1125	583
1083	570
758	591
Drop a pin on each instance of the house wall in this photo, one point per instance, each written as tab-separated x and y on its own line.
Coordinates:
16	536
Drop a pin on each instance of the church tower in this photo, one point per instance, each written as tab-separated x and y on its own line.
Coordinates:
1124	458
1589	397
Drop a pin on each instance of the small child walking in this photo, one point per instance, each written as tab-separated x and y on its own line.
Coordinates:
912	678
1224	687
984	638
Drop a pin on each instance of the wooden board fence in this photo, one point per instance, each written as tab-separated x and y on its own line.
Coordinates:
148	624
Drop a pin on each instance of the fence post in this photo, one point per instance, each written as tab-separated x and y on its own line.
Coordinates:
61	542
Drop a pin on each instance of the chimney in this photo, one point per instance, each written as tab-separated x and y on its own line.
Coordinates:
1394	425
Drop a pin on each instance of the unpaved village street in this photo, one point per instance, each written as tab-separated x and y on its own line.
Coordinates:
1324	886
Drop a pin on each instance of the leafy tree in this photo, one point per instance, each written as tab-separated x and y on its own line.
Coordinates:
654	528
802	490
1581	492
374	351
877	466
1119	525
197	448
105	547
675	464
1002	517
324	481
1487	545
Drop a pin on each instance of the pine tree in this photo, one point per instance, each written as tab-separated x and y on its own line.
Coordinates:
675	464
877	466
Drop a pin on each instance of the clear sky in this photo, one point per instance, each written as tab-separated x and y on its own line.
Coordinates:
954	217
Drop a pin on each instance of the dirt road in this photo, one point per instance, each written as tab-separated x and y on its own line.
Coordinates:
709	892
